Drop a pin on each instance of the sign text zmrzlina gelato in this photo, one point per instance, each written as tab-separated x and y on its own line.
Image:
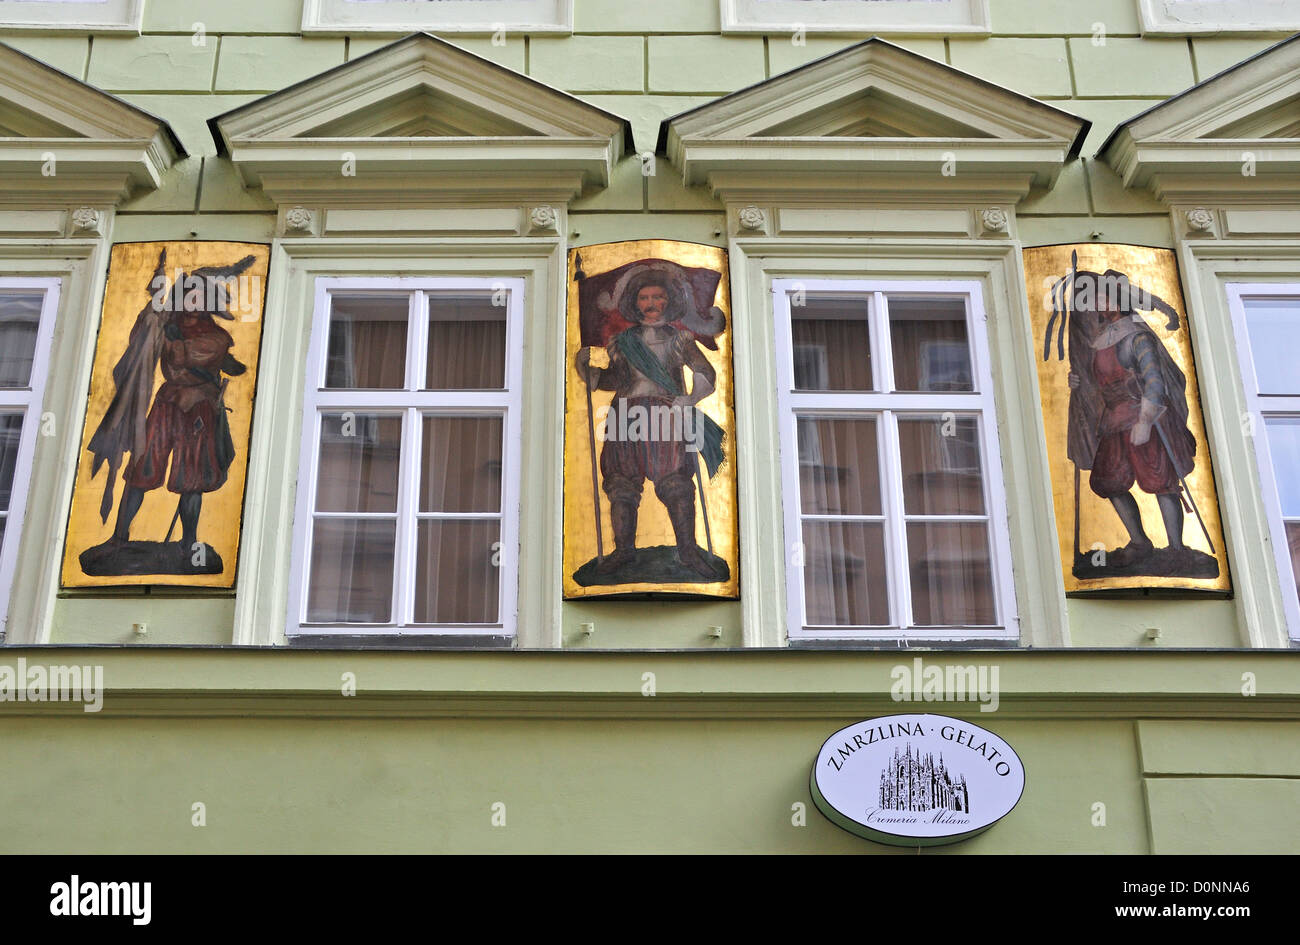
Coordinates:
916	780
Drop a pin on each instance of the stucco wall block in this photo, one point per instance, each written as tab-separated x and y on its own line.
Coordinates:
783	54
205	621
142	227
1222	815
646	112
1264	749
511	52
625	190
1128	67
1109	195
152	64
1106	114
223	189
188	115
1070	195
234	16
661	16
179	190
1064	16
1032	66
589	63
68	53
269	63
1181	623
1216	54
705	63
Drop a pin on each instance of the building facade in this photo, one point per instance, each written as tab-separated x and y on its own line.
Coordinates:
369	680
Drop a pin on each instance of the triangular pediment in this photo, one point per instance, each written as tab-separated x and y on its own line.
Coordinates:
873	108
455	115
1198	141
104	147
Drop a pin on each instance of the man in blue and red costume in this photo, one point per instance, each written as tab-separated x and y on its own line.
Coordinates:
645	372
1128	409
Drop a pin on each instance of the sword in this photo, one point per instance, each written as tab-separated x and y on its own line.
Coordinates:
1186	492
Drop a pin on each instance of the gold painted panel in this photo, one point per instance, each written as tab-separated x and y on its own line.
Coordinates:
1132	481
649	427
159	492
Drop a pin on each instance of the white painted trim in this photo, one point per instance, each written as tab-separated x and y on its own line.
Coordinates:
27	401
448	16
885	407
788	16
412	407
107	16
1188	17
1260	408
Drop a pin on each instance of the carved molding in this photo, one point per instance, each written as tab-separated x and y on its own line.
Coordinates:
752	218
87	220
1200	220
299	220
543	219
995	221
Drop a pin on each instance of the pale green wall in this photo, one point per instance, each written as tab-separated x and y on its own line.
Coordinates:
583	761
645	61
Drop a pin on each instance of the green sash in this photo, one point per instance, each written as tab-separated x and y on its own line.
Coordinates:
634	350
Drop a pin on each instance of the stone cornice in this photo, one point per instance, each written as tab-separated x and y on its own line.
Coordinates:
192	682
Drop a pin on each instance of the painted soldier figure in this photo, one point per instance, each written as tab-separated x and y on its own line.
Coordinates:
1128	411
645	372
186	422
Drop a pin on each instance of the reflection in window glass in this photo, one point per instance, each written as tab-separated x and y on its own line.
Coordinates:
367	343
1273	325
929	344
832	343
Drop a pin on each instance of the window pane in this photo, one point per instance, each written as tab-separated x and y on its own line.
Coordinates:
1292	541
952	581
359	459
1272	325
351	571
832	344
1284	448
467	342
844	575
20	316
839	470
941	466
460	470
457	572
367	342
11	431
931	350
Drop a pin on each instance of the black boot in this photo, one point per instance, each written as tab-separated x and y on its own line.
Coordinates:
623	517
190	505
1171	510
1139	545
126	509
681	512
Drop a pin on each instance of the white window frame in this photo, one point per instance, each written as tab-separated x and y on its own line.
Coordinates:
1260	407
46	15
886	408
855	16
506	403
28	401
447	16
1184	17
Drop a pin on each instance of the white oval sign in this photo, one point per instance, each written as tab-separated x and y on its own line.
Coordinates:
916	780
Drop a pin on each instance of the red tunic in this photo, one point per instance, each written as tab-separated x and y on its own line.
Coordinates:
187	421
1119	463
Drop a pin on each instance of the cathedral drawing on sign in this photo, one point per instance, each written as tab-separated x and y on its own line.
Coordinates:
915	783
